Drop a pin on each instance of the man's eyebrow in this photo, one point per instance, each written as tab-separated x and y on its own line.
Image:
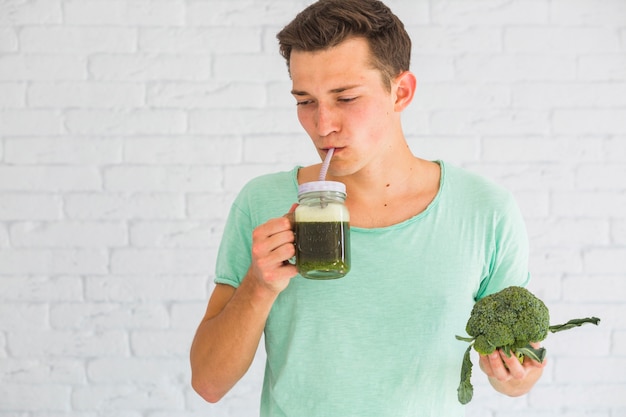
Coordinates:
333	91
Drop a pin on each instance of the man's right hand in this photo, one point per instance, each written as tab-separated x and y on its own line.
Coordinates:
272	247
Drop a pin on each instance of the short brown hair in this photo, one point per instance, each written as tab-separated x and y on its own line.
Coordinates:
326	23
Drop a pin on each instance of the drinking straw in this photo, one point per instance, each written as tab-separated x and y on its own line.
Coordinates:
325	164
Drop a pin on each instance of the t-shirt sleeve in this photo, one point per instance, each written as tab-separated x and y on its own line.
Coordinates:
233	258
510	252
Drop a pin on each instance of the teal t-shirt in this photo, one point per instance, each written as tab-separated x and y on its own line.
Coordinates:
381	341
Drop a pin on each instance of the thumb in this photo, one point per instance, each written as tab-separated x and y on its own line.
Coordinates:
290	215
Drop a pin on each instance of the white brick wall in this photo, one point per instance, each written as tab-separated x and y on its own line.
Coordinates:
127	126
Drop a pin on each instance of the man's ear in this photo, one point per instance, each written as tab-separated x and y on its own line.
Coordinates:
405	85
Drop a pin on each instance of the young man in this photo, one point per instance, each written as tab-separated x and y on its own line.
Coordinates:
427	239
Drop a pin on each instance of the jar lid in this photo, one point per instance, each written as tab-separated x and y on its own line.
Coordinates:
312	186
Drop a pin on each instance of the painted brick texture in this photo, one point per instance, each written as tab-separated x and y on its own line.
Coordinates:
127	127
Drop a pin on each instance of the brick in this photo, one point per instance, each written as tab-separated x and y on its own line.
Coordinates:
86	95
277	148
588	204
68	344
136	122
490	122
587	12
209	205
209	95
149	67
42	67
18	206
77	40
606	261
180	234
49	178
187	316
571	95
38	289
12	95
110	206
561	40
243	122
183	151
138	370
23	316
433	67
416	12
619	342
31	122
108	316
434	96
161	261
125	13
510	67
586	344
36	12
109	398
68	234
235	177
618	232
236	67
590	370
601	177
590	121
456	39
163	178
548	261
568	233
533	204
418	124
8	40
602	67
193	40
231	13
277	95
32	397
615	149
602	288
526	176
167	343
52	371
489	12
542	149
580	396
147	288
4	236
39	151
451	149
57	261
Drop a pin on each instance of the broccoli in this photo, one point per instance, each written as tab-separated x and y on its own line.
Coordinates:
509	320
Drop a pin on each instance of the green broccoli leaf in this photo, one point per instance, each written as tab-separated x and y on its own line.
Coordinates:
538	355
464	339
465	390
573	323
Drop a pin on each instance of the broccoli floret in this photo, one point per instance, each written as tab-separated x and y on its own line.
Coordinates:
509	320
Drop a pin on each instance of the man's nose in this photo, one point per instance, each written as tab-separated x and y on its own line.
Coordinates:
326	120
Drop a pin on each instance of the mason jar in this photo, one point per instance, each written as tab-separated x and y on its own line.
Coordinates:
322	229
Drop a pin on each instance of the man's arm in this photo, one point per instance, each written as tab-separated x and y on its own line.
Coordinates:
229	334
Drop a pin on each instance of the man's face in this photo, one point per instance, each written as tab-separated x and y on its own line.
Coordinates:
343	104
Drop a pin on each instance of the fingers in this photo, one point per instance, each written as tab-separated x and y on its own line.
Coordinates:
272	244
497	365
